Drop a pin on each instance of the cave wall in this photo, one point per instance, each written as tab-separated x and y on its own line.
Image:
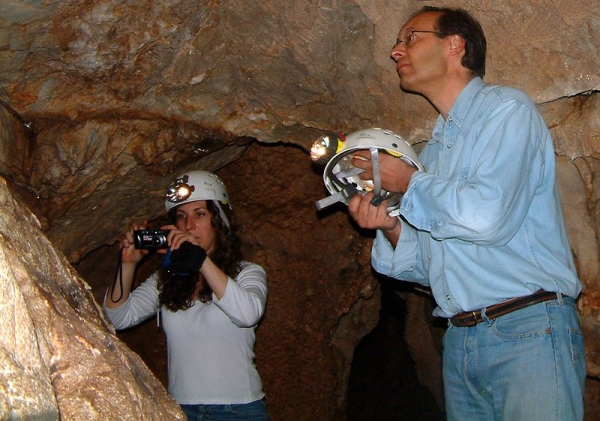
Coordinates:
59	357
101	102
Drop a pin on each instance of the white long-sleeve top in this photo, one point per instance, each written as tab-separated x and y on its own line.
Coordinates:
210	345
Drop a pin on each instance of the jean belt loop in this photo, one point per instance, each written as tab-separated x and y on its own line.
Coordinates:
559	298
485	317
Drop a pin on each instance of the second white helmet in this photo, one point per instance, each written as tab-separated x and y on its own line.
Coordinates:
341	178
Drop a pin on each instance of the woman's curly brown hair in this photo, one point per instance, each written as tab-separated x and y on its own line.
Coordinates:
177	291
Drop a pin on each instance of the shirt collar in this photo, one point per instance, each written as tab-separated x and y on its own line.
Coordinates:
459	109
461	106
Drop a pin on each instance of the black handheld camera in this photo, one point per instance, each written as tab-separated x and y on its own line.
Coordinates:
150	239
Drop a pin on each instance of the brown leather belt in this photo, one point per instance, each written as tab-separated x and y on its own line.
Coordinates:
472	318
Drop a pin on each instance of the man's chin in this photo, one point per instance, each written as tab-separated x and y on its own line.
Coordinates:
404	82
408	88
404	85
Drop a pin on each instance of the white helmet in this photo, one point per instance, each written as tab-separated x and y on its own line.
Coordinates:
197	185
342	179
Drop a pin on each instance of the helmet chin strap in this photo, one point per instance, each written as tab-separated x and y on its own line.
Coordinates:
347	192
223	216
377	198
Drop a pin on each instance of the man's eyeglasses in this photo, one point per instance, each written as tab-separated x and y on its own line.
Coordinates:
409	38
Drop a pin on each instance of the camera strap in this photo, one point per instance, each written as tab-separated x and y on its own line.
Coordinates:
119	278
167	259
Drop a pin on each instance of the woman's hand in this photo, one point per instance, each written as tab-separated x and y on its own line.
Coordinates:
119	291
176	238
129	254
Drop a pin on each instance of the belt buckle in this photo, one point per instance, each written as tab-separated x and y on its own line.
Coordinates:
475	318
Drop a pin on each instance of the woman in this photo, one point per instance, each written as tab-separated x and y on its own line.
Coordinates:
210	302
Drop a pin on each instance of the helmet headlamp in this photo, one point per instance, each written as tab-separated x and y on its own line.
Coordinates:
179	190
326	147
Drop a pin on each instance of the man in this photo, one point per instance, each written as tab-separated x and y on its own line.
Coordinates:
483	228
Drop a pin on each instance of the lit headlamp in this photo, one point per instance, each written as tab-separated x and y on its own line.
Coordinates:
179	190
326	147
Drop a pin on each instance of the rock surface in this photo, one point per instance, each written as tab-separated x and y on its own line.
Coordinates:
60	357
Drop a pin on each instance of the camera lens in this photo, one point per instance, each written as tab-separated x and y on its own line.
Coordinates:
159	240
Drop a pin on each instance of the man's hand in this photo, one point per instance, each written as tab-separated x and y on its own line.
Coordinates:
374	217
394	173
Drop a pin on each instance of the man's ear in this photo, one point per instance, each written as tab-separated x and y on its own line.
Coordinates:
457	44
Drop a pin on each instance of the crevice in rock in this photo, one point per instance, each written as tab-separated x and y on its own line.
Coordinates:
383	382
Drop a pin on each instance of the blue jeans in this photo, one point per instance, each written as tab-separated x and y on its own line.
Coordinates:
255	411
528	365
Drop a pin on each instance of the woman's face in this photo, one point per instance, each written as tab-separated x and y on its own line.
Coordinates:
194	217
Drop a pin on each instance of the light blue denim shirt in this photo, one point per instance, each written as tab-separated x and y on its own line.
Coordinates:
484	222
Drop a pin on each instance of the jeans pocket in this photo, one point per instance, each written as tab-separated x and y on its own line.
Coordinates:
578	353
529	322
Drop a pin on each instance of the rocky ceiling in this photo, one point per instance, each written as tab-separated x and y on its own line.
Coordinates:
102	101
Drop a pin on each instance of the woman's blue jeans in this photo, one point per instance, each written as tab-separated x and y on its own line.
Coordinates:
255	411
528	365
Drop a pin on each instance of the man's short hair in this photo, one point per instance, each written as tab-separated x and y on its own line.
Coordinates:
460	22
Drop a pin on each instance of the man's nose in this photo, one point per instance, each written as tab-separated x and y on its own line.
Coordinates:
398	51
